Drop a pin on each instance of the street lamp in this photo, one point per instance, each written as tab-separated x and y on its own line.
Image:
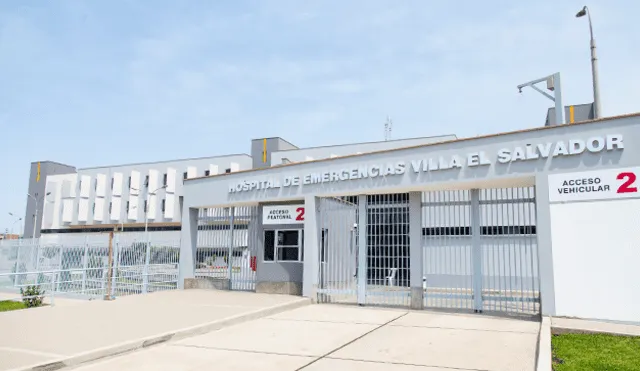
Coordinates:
597	112
35	216
18	219
145	277
553	84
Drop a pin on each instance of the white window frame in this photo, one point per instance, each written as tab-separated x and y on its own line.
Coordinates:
276	246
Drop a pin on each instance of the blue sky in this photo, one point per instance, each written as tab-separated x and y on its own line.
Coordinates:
91	83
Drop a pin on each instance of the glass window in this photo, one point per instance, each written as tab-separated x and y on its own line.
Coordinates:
269	245
164	179
288	238
283	245
207	173
184	175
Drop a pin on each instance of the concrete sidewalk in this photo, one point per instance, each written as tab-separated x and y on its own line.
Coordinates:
333	337
79	332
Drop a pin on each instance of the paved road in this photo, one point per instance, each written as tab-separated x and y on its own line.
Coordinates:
333	337
71	327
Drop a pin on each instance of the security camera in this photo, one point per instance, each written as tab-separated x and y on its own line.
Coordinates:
520	90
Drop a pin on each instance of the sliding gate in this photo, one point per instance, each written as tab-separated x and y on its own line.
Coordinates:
480	250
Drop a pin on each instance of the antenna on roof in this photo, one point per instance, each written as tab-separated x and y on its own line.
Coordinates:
387	128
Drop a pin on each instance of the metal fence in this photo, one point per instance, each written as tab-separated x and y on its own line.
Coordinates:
107	267
227	245
480	250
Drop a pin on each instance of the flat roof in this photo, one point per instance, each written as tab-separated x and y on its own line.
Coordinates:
355	144
541	128
164	161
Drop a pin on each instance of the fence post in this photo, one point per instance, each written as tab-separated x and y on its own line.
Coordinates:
15	277
114	266
57	282
37	263
232	211
107	295
476	250
85	261
147	261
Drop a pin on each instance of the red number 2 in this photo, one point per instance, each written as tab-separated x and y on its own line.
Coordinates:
300	212
629	179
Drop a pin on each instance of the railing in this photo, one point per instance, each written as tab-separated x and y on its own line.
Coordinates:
90	271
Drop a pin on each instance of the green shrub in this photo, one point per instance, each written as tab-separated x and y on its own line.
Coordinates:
32	296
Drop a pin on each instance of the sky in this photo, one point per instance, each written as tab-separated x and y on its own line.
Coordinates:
103	82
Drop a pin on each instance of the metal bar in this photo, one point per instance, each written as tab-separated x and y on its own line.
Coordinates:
476	249
232	211
362	249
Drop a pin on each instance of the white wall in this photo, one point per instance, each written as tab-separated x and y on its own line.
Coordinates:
96	188
596	259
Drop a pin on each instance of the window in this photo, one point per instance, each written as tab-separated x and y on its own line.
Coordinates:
207	172
80	184
109	207
324	242
95	185
227	171
146	181
163	203
129	183
127	206
93	208
145	206
112	180
184	175
283	245
164	179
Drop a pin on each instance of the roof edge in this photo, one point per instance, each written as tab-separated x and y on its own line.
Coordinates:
540	128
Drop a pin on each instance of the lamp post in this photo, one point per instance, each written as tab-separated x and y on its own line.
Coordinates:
597	109
145	278
35	216
18	219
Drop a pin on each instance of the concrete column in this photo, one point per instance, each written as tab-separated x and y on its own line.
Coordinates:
545	250
476	250
188	241
362	249
416	254
311	248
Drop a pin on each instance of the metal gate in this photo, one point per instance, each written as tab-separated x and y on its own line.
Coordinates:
480	250
227	245
377	273
338	260
387	281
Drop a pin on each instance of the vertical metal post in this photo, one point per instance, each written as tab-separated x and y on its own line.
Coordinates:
57	281
37	247
557	91
109	267
416	259
15	277
232	211
362	250
476	250
114	266
85	261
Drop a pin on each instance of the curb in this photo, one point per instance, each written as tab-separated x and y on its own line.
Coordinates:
130	346
543	351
